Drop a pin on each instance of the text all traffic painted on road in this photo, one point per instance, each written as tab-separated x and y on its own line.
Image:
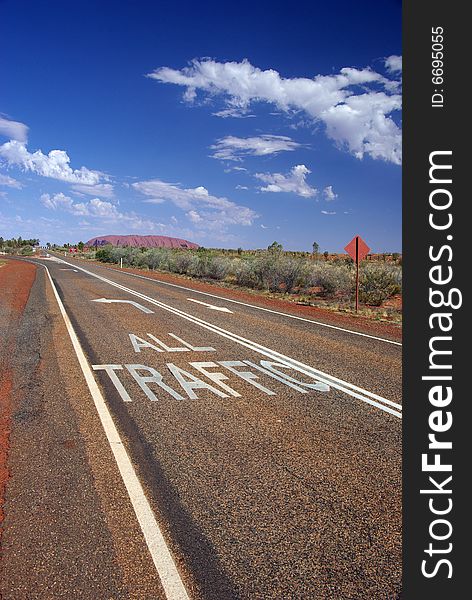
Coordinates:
183	383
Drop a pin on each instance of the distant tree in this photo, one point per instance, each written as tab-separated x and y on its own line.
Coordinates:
316	248
48	245
2	242
80	246
326	254
275	248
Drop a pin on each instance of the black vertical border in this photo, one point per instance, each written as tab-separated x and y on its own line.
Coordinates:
426	129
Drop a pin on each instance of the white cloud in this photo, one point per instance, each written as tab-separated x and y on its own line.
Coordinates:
328	212
55	164
13	129
202	208
194	216
235	148
361	121
393	64
354	104
96	208
10	182
235	113
294	181
57	201
329	194
242	187
103	190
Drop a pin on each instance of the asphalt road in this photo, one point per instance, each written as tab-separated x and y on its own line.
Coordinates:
267	447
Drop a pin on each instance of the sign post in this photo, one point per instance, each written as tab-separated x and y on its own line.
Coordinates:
357	250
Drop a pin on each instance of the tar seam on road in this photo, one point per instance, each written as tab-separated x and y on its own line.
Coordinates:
344	386
275	312
166	568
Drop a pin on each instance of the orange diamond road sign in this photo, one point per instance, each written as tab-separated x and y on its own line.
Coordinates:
357	249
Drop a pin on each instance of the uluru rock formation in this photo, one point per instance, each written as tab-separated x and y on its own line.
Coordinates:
141	241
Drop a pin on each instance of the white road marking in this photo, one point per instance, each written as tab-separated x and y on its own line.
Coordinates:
165	566
344	386
75	270
135	304
275	312
211	306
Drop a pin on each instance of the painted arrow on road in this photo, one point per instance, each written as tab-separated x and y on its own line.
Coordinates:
135	304
211	306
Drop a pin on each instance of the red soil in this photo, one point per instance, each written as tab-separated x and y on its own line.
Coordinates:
16	280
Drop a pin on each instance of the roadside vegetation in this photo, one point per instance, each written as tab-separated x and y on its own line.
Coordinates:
304	277
18	246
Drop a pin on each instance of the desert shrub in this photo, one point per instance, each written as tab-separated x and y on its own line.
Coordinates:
154	259
104	254
292	272
245	273
265	271
140	259
206	264
378	282
180	262
332	279
217	267
270	271
26	250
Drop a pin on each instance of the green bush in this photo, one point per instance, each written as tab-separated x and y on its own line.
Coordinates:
104	254
378	282
332	279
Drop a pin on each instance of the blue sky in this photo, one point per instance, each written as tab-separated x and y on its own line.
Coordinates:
230	128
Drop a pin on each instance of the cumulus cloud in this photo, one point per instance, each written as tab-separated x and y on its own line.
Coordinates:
55	164
57	201
105	211
236	148
294	181
13	130
10	182
393	64
329	194
201	207
355	104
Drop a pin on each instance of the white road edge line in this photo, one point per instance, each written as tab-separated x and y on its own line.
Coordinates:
275	312
344	386
165	566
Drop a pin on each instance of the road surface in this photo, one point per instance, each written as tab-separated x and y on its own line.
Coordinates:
170	444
